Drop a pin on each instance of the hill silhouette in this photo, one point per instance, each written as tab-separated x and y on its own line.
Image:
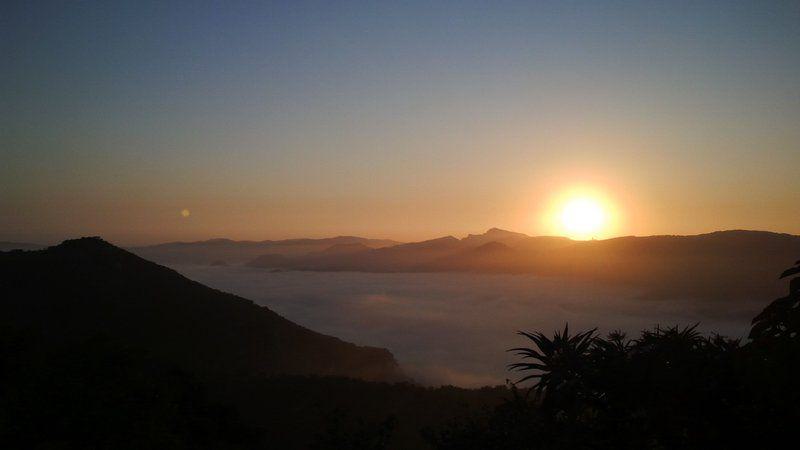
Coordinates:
495	235
714	266
237	252
100	348
341	249
88	287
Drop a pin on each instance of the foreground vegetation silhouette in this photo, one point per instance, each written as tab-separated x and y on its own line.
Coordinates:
669	388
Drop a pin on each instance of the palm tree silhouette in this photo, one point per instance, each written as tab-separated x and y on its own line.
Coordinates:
560	363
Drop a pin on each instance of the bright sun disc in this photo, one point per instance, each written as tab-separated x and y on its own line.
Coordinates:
582	218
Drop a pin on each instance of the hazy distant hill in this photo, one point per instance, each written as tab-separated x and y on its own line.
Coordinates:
495	235
8	246
87	287
237	252
720	265
735	263
402	257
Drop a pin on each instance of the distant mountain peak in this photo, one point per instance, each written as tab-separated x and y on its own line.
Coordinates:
494	234
495	230
437	243
445	240
448	238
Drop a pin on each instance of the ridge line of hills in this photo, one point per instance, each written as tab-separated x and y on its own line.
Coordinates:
737	264
100	348
227	251
85	287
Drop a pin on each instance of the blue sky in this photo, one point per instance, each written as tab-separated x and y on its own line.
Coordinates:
396	119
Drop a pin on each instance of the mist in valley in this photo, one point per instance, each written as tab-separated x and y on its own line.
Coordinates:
454	328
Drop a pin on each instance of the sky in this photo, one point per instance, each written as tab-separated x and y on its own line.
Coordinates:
148	121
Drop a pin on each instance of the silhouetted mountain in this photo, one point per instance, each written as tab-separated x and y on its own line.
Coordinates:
340	249
102	349
237	252
720	265
490	257
708	266
495	235
398	258
440	244
87	287
539	244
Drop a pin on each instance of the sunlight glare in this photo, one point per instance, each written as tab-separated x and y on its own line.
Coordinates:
582	218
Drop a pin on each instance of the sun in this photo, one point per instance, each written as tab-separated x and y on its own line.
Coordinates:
583	218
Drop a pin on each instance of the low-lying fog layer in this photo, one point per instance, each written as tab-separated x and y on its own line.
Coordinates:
454	328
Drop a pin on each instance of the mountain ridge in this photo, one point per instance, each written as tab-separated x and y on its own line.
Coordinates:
709	265
237	252
86	287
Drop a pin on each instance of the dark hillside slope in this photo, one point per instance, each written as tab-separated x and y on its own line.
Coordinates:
723	265
87	287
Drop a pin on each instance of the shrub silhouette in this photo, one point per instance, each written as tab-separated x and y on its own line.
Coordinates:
669	388
781	319
101	394
562	364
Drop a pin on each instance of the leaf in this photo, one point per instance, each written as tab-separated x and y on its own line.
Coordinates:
790	272
526	366
530	377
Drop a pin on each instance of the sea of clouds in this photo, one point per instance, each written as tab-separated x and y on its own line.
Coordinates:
450	328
